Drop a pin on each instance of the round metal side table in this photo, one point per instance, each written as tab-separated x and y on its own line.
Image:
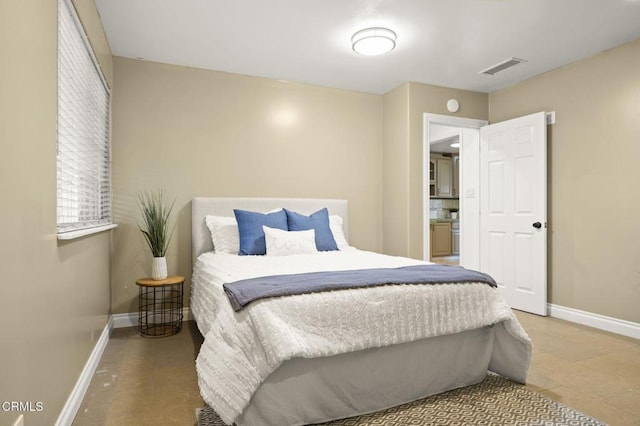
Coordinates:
160	306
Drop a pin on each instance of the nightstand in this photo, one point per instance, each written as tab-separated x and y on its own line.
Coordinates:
160	306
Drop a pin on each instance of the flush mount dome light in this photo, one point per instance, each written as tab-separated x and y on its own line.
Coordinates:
373	41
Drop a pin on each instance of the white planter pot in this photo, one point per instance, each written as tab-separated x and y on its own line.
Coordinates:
159	268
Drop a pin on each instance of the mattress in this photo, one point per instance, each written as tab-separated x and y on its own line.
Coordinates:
244	350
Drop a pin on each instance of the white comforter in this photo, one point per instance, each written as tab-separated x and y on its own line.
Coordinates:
242	348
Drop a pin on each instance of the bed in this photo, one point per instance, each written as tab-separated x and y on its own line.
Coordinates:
317	357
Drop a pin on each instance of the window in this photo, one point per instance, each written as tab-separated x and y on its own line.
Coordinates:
83	154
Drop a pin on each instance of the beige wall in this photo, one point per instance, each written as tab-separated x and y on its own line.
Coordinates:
395	159
204	133
593	178
404	110
55	296
92	25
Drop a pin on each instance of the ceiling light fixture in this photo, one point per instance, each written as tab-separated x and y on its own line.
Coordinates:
455	145
373	41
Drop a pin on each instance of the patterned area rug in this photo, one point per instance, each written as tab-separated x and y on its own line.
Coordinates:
494	401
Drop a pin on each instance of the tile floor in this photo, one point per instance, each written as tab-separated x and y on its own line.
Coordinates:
142	381
592	371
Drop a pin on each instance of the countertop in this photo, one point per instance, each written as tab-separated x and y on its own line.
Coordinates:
444	220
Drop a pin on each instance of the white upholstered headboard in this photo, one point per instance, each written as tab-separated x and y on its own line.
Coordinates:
202	206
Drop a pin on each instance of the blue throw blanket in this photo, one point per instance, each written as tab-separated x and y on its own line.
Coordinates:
243	292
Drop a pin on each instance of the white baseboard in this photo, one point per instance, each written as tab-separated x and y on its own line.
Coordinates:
74	401
614	325
130	319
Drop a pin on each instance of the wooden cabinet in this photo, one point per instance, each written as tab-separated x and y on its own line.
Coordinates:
432	170
455	160
432	177
455	238
440	239
444	183
444	172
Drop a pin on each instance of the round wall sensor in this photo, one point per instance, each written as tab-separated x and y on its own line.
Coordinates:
453	105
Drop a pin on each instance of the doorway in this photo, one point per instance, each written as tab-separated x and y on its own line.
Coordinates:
456	239
502	202
444	193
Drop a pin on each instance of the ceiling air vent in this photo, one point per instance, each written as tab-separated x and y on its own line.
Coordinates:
495	69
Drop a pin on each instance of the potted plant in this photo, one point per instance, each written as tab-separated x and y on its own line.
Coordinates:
155	228
454	213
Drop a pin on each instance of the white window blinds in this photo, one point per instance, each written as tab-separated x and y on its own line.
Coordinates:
84	172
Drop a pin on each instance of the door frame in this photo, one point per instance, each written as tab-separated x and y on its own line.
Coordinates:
469	166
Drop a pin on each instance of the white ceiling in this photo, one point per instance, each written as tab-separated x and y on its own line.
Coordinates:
441	42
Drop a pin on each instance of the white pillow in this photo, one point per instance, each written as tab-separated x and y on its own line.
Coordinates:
285	243
335	224
224	233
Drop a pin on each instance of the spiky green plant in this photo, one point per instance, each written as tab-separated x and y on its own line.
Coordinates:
155	221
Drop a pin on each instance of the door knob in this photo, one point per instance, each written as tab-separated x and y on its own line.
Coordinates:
537	225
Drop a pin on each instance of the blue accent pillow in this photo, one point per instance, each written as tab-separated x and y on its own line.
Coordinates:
250	229
319	221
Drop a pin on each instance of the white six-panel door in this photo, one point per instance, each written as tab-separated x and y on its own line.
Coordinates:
513	210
